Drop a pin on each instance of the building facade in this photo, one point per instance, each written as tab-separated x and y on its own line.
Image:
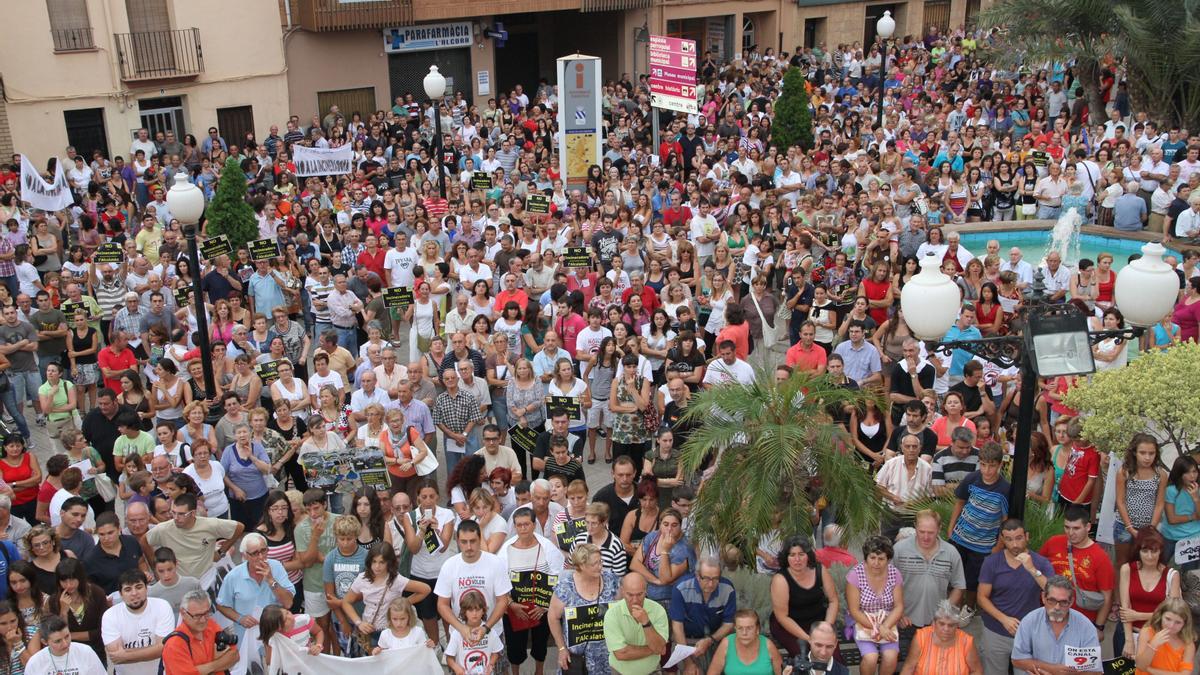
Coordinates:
361	56
90	73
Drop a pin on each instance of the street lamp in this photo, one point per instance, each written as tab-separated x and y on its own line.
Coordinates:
186	202
1056	340
885	27
435	89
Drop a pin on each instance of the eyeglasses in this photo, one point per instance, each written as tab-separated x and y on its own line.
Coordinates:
256	553
197	615
185	514
1060	603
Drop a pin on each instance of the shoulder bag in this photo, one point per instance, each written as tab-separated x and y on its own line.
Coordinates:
1089	600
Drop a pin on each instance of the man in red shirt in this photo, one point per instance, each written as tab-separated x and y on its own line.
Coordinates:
115	359
1079	481
1075	556
637	286
192	649
806	355
373	257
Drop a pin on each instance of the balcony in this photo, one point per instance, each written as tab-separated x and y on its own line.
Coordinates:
72	39
159	55
331	15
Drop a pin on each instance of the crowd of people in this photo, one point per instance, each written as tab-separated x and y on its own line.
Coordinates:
177	512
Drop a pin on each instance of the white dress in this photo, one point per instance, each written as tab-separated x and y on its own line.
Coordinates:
422	325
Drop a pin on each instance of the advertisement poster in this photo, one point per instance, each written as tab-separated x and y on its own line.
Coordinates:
345	471
579	117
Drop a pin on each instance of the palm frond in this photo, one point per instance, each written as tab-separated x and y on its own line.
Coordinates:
776	450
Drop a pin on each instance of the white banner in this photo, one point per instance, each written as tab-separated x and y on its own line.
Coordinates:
43	195
288	658
1108	504
322	161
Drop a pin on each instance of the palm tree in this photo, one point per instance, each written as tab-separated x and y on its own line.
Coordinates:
1056	30
776	451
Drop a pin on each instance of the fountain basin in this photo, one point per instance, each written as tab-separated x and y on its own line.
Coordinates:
1033	237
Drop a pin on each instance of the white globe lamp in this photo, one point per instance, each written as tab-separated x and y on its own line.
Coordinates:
931	301
185	200
886	26
1146	288
435	83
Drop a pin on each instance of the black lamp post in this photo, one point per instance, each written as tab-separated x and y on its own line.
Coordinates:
1055	340
187	203
435	89
885	27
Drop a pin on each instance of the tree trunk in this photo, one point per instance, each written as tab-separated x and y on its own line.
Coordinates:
1088	72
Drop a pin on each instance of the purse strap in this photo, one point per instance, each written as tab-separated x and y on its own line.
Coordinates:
758	307
1071	560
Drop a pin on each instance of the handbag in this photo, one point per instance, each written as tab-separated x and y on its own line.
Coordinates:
428	464
1028	209
364	639
1089	600
651	420
519	624
770	334
105	487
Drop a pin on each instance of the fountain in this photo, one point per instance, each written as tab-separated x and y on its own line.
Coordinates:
1064	238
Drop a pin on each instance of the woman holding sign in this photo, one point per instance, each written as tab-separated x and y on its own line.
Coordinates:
576	614
534	564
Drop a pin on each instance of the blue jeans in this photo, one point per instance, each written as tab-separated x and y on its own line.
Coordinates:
44	361
9	399
25	384
452	459
348	338
319	328
1048	212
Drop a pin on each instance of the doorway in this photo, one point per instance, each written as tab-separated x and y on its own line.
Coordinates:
235	123
162	114
85	131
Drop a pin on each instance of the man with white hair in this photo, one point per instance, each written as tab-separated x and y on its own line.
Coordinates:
1130	211
254	584
545	511
1018	266
1187	223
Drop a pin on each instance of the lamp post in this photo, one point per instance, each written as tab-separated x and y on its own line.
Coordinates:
186	202
1055	341
885	27
435	89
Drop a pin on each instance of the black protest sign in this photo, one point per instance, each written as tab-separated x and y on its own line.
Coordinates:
533	587
537	204
577	256
264	249
397	297
585	623
183	296
481	181
268	372
566	531
1119	666
569	403
109	253
525	437
69	307
215	247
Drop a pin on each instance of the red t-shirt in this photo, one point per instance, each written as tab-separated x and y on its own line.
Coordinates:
740	334
808	360
117	362
46	492
1084	463
1093	571
649	298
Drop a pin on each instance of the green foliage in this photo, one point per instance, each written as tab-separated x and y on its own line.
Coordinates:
778	452
1042	521
793	119
228	213
1163	72
1155	394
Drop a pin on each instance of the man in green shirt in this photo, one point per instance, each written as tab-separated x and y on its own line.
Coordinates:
635	630
314	539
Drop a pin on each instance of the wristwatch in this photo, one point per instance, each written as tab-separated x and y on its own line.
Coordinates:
1037	573
646	625
274	584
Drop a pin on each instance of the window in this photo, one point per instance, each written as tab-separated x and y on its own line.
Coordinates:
70	27
747	34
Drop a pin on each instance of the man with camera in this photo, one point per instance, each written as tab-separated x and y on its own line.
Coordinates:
822	641
198	646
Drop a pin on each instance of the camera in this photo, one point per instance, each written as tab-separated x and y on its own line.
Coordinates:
801	663
225	640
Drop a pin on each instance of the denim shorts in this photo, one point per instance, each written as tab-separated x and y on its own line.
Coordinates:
1121	534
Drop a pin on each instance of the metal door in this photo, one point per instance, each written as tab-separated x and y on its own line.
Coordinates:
348	101
937	13
235	123
85	131
406	72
